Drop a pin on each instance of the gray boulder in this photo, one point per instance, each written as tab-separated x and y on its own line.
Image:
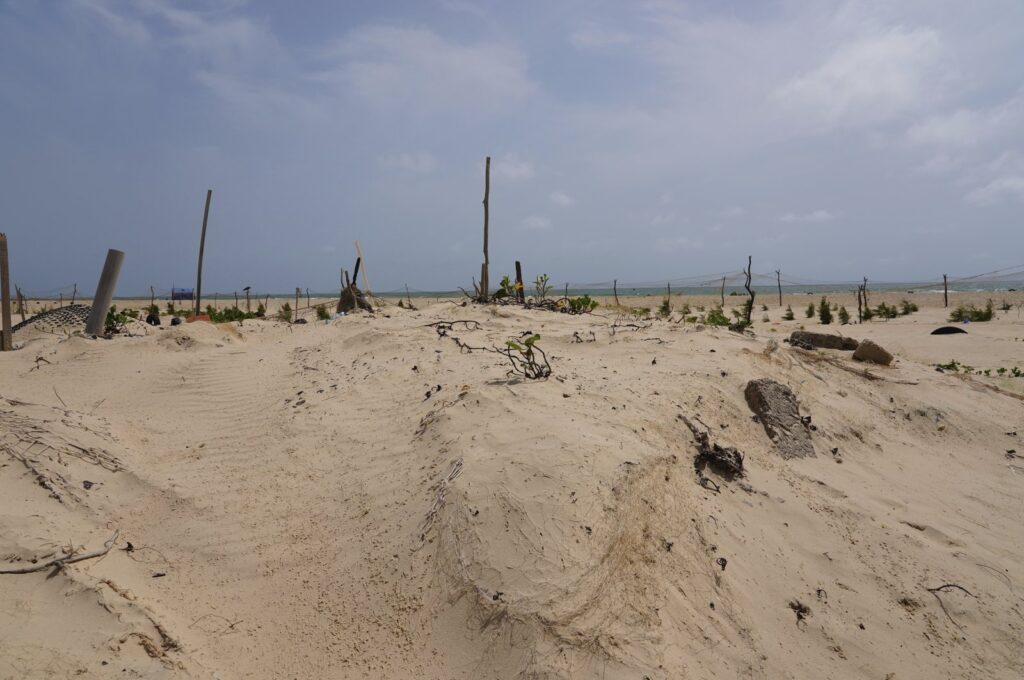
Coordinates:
869	351
823	340
778	412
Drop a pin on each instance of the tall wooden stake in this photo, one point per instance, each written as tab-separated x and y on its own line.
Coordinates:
778	279
520	291
94	325
366	281
945	291
152	296
247	307
750	291
7	341
865	292
21	304
298	292
723	291
202	246
484	273
74	294
615	290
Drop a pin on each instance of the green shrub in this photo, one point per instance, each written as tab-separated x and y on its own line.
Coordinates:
285	313
844	316
885	311
665	308
542	286
323	315
580	305
810	311
972	313
789	316
824	312
716	317
907	307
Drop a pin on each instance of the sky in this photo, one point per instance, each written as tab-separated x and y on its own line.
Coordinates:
638	141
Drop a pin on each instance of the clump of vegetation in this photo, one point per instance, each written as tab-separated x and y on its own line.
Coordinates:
716	317
323	315
810	311
527	359
972	313
116	321
581	305
506	289
844	316
285	313
685	310
152	309
1005	306
867	314
885	311
907	307
665	308
227	314
824	312
789	316
261	310
542	286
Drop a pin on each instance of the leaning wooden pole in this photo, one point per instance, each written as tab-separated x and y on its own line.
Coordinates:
615	291
202	246
7	341
945	291
520	290
94	325
778	280
366	281
484	273
750	291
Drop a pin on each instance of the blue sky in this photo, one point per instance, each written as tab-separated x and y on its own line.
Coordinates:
638	141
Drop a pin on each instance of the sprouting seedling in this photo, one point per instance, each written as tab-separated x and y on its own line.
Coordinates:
527	359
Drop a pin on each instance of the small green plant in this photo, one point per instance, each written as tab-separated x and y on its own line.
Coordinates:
285	313
580	305
170	308
115	321
261	310
542	286
907	307
885	311
323	315
152	309
867	314
810	311
527	359
824	312
665	308
844	316
971	313
716	317
507	289
685	310
789	316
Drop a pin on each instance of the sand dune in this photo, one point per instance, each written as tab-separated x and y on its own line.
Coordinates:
363	498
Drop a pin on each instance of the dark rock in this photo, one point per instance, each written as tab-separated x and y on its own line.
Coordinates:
948	330
153	319
869	351
300	321
823	340
776	407
176	321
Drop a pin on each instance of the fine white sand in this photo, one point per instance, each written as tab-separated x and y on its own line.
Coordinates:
363	499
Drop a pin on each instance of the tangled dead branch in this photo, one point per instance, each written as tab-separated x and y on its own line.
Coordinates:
725	460
66	559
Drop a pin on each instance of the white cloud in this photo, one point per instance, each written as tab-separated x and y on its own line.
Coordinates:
593	36
561	198
734	211
419	163
970	127
1009	187
536	222
512	167
870	79
814	216
414	69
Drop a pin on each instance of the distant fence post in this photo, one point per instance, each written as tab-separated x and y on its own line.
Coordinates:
723	291
298	292
945	291
615	290
21	304
520	291
104	292
778	280
485	281
7	341
202	246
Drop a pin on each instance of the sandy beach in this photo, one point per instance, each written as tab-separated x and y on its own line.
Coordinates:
368	498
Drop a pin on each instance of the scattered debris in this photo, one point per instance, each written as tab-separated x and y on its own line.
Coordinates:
726	461
802	611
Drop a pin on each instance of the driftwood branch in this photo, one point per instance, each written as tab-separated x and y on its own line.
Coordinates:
67	559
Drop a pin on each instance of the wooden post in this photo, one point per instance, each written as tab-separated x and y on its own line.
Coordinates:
750	291
865	289
408	298
248	308
298	292
21	304
94	325
152	296
484	274
236	299
723	292
74	294
778	279
860	298
202	246
62	299
945	291
366	281
310	304
520	291
615	290
7	340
